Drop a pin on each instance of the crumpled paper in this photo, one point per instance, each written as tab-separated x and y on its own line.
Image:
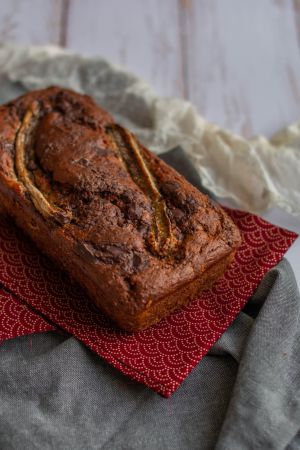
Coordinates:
256	174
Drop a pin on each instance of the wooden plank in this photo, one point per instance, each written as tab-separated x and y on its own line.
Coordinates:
296	5
142	35
243	63
30	21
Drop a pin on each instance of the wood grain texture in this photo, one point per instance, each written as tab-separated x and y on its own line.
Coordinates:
142	35
64	21
296	5
244	63
30	21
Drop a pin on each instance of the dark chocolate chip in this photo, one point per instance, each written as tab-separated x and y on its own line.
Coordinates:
84	162
178	214
114	251
137	261
170	187
191	203
31	165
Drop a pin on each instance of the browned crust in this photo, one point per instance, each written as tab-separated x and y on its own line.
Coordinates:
133	300
179	298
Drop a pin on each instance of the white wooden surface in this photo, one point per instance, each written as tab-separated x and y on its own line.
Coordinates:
238	61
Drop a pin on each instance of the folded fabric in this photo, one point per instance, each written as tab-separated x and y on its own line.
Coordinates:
245	394
162	356
17	318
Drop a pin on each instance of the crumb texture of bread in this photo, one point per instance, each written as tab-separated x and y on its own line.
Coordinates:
133	232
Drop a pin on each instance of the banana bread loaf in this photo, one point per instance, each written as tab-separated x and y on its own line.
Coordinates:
133	232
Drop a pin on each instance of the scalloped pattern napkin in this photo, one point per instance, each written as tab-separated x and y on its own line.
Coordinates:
18	319
160	357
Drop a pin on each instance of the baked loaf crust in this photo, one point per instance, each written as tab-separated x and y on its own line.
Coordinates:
133	232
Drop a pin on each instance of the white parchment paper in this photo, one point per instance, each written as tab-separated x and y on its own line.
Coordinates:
257	174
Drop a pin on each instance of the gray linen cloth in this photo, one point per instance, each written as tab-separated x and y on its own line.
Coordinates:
245	394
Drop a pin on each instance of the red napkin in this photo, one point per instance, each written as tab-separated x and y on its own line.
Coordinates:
17	319
162	356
